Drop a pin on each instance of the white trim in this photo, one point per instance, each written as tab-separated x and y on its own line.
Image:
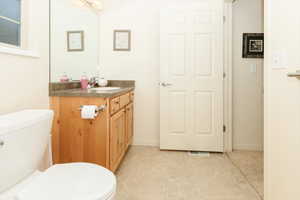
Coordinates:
228	136
19	52
249	147
146	143
268	189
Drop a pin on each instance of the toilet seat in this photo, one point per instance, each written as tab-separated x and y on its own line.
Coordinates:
76	181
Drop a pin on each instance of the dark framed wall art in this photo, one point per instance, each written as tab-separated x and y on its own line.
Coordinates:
253	45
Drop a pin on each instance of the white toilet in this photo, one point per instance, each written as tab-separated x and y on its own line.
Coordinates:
24	139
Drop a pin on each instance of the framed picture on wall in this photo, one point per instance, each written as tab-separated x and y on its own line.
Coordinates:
122	40
253	45
75	40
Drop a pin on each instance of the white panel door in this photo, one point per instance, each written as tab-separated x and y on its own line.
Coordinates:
191	88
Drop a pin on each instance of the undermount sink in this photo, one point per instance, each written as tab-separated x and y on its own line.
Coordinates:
104	89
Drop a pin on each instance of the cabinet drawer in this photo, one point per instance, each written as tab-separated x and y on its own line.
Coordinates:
124	100
114	105
131	96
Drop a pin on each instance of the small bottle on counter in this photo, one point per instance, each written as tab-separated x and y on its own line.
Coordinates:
84	80
64	78
102	82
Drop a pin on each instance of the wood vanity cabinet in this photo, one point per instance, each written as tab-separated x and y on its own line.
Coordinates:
103	140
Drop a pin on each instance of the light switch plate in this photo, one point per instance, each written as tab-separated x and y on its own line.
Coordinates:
253	68
279	59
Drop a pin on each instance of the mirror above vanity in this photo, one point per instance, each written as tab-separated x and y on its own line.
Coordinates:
74	40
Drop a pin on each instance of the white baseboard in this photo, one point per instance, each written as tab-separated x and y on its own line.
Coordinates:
146	143
249	147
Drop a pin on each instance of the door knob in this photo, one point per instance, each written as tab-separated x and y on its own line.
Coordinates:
165	84
1	143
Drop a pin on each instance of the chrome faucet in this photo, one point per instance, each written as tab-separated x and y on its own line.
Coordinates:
93	81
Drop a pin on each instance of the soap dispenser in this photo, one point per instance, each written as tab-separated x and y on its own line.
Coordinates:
84	81
102	82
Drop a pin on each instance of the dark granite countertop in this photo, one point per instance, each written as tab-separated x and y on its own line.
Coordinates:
72	89
90	93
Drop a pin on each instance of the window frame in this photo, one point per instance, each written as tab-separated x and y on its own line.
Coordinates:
21	46
23	49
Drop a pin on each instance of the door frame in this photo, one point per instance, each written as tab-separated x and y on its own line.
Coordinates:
228	133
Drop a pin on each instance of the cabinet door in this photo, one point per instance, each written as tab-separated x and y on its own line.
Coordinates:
129	125
117	139
96	135
72	130
82	140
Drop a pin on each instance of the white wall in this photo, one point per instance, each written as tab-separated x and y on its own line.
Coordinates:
282	101
247	84
24	80
140	64
67	16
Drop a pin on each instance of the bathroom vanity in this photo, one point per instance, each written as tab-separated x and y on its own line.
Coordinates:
103	140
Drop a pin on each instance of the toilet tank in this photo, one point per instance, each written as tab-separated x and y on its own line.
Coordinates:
24	138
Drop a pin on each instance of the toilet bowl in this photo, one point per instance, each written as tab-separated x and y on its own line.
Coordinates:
75	181
24	137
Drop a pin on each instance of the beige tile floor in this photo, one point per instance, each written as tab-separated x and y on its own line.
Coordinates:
251	166
149	174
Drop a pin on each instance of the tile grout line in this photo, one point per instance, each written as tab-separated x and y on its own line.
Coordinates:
244	175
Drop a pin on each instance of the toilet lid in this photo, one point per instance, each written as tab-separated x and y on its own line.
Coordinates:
76	181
